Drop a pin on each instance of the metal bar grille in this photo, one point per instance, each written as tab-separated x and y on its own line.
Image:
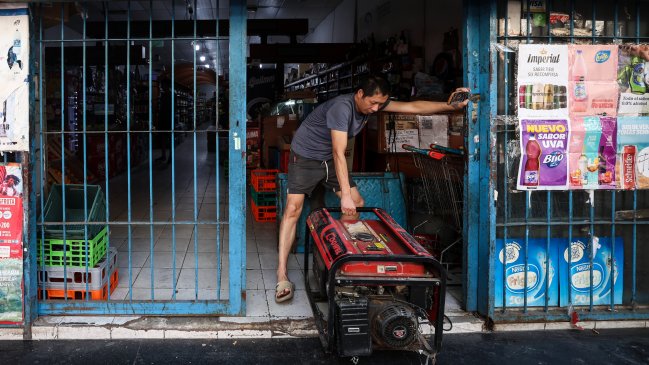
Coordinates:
567	214
148	207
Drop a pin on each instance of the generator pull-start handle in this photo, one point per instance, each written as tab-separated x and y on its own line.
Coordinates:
360	210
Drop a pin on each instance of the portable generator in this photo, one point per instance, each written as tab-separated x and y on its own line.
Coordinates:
374	286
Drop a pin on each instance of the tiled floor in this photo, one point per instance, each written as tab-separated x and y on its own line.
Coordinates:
157	264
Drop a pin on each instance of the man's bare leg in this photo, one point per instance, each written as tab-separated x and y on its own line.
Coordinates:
358	201
287	227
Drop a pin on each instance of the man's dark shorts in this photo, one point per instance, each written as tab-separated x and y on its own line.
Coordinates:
305	174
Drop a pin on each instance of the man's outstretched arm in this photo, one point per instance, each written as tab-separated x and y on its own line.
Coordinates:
426	107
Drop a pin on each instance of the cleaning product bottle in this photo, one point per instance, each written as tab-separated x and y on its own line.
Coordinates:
636	80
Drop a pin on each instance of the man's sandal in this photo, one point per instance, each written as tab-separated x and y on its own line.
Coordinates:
280	288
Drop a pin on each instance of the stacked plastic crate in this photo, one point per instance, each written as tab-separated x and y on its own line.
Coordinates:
263	195
69	265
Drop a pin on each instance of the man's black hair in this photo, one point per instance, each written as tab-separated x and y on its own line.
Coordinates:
372	85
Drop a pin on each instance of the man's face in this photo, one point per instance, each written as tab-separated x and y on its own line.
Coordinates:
10	182
369	104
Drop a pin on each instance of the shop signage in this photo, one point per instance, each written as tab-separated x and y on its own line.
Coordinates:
11	244
581	115
14	73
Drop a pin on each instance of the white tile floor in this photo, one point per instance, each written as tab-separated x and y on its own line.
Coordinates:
150	269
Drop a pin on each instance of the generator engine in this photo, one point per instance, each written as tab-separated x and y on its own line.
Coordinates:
379	285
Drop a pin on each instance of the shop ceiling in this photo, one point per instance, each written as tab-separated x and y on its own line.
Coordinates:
276	29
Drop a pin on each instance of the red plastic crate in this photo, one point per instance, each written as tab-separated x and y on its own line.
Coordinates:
263	180
76	294
263	213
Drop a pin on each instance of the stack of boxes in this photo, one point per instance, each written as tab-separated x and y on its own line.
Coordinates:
263	195
69	265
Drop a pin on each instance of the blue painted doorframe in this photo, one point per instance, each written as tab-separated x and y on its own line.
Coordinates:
236	221
479	212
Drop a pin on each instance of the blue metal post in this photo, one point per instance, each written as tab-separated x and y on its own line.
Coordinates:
237	135
30	246
479	217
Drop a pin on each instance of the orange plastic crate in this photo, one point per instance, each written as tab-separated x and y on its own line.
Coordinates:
264	213
263	180
76	294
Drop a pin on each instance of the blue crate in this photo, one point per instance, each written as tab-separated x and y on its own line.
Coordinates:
74	211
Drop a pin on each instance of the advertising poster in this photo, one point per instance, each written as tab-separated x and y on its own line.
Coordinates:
541	272
544	154
633	80
592	85
593	152
11	244
607	271
14	71
633	153
11	289
11	204
542	81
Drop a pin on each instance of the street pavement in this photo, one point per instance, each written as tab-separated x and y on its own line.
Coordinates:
611	346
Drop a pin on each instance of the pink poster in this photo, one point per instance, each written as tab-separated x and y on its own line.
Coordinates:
592	85
592	152
11	244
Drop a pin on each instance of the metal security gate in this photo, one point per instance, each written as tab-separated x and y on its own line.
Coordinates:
117	230
495	209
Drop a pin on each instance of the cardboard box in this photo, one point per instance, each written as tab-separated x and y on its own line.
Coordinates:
512	279
577	269
456	140
433	129
383	139
272	128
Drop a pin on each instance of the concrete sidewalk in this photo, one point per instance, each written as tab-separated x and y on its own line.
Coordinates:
614	346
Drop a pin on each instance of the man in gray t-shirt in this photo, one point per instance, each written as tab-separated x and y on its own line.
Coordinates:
313	139
318	157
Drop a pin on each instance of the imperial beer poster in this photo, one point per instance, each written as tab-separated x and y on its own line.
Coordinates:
14	71
633	80
544	148
633	153
11	244
543	81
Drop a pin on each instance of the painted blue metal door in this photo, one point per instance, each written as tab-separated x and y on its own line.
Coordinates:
117	230
495	212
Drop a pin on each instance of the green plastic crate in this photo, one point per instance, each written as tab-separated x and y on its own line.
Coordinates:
72	252
74	211
263	199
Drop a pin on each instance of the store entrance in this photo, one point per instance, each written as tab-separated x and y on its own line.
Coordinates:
134	207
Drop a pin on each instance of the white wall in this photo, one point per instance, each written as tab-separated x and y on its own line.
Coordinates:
423	22
337	27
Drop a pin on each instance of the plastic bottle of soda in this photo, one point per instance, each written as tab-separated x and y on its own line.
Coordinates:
533	163
580	95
